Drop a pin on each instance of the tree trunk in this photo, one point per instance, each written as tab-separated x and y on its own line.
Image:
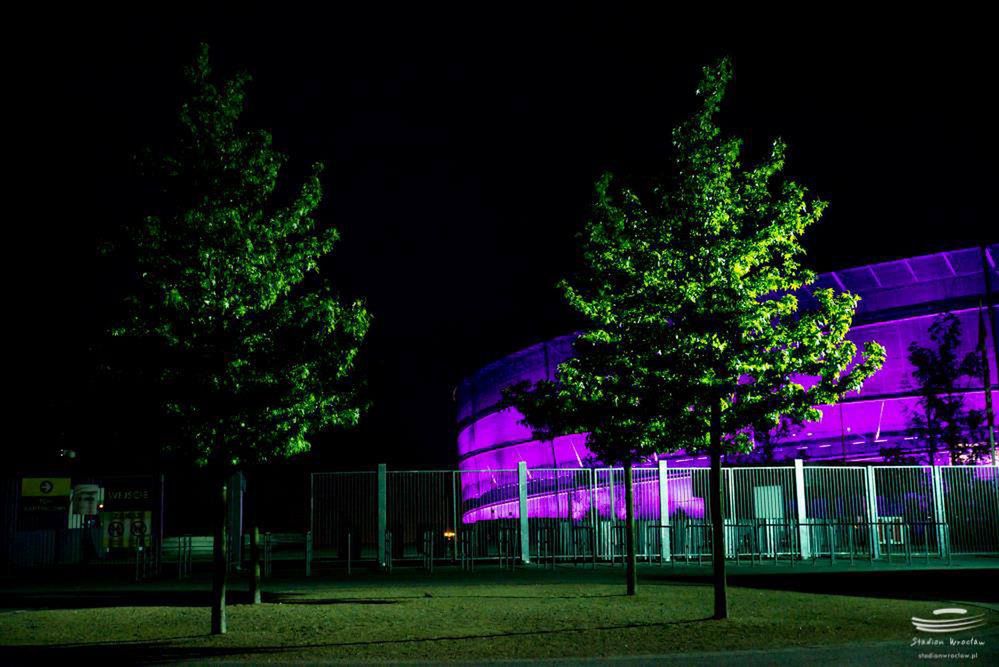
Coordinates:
254	530
629	527
220	554
717	517
255	563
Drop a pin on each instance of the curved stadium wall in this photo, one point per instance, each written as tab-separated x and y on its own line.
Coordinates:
899	301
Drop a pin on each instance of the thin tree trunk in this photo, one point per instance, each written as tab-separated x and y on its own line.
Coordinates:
717	518
629	526
220	546
254	530
220	554
255	563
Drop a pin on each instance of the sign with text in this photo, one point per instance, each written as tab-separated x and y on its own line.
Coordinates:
128	493
45	494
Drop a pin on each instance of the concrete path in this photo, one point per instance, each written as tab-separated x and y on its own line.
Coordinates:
882	654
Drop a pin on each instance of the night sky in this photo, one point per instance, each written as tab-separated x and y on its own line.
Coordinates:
461	151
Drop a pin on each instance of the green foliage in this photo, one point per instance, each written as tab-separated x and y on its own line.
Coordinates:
260	351
689	299
942	422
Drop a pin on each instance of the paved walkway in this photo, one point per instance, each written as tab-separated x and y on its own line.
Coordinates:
882	654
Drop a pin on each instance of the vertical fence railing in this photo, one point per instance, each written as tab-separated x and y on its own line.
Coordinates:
578	515
905	513
345	504
689	512
420	514
561	514
608	490
646	487
762	511
488	515
837	512
970	501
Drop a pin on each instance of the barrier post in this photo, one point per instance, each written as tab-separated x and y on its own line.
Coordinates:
308	553
611	513
525	535
872	514
454	513
664	545
799	487
939	510
382	513
312	511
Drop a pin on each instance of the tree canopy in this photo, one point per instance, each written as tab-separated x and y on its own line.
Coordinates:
942	422
691	293
259	349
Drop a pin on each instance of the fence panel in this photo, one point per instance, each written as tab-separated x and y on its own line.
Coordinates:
757	494
345	503
490	511
421	514
904	493
578	514
971	508
646	486
836	494
561	514
760	506
837	512
609	497
688	507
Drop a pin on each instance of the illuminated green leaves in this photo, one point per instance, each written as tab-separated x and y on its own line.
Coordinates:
689	297
263	357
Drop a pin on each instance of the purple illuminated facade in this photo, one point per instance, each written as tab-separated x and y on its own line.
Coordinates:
900	299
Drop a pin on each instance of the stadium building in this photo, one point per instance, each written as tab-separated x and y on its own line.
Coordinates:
899	301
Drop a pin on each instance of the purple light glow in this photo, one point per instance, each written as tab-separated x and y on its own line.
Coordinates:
556	504
899	302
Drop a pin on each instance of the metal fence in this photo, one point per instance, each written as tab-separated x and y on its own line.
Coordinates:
577	515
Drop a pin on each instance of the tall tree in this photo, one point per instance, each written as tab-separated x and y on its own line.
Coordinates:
259	350
942	421
694	337
594	393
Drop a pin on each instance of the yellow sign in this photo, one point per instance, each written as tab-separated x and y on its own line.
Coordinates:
45	487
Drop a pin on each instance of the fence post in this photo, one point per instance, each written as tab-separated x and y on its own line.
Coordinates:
799	488
872	513
159	522
382	512
268	553
611	513
312	524
454	512
312	511
525	535
731	493
939	510
308	553
594	514
664	545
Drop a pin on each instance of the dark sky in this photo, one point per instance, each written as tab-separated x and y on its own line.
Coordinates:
461	150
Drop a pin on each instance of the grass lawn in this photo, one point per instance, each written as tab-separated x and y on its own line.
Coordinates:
530	614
